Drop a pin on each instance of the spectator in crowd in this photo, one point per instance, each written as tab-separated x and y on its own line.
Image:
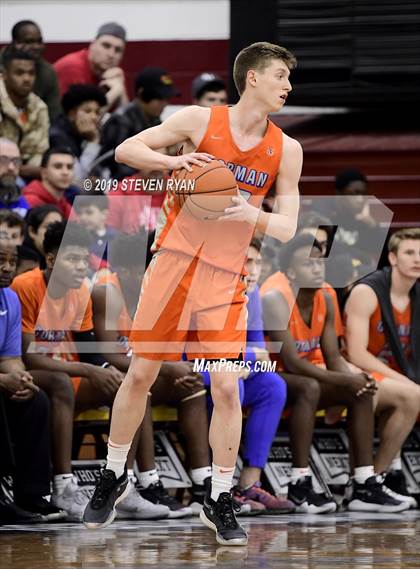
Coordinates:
358	232
27	260
153	88
382	337
10	162
23	115
12	227
92	211
301	318
54	319
57	169
37	223
208	90
79	127
131	207
26	36
320	227
97	65
264	395
115	298
26	411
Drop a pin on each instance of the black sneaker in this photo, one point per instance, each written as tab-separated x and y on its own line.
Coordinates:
220	517
373	496
10	514
395	481
157	494
41	506
109	491
307	501
198	494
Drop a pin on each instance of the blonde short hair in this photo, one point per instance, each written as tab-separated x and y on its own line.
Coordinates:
258	56
402	235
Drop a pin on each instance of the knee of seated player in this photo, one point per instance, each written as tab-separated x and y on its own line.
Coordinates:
408	397
58	385
398	394
63	388
310	389
41	402
274	385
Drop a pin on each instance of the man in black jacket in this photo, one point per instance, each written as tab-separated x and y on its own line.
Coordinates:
153	88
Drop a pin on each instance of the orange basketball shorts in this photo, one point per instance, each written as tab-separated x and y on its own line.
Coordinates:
188	306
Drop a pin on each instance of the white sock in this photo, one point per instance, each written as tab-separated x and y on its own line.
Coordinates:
396	464
198	475
60	482
117	457
131	476
298	473
221	480
362	473
148	477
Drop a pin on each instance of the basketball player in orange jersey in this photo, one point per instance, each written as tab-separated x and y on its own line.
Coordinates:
312	365
208	270
383	337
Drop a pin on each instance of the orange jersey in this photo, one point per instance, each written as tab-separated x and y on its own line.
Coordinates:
278	281
125	321
378	345
308	338
223	244
50	319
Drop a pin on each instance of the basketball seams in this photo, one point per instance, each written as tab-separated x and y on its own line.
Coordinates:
208	171
218	177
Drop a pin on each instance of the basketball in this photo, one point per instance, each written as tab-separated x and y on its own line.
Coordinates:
207	191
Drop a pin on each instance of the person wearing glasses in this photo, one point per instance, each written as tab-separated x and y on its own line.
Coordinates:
10	162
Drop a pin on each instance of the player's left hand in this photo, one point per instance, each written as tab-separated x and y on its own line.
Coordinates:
241	211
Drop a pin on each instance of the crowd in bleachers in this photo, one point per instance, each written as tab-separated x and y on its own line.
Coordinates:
74	244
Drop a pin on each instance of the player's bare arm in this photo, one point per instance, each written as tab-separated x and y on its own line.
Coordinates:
359	308
276	312
331	351
186	126
281	224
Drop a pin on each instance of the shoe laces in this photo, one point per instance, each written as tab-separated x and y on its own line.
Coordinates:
102	490
226	508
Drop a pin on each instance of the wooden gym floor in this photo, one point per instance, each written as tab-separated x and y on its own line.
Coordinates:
345	541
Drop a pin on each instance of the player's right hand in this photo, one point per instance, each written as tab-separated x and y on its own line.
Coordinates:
361	384
107	380
19	384
186	161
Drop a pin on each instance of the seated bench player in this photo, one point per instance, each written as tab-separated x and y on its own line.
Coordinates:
115	297
26	413
382	337
310	361
57	311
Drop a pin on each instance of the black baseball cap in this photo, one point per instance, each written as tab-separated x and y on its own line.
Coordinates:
157	81
204	80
